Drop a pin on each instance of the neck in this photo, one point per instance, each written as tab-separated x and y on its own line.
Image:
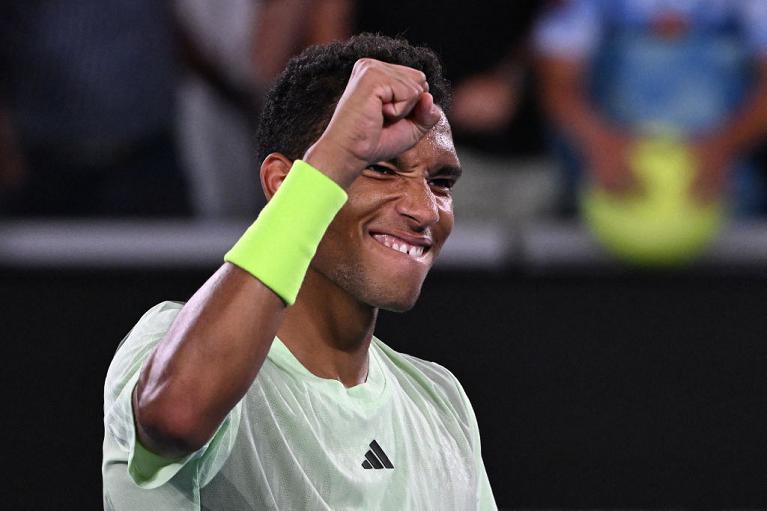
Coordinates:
329	331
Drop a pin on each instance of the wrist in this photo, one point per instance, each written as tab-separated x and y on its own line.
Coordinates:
279	246
335	162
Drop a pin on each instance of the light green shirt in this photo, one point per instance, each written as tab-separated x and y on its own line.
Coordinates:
406	439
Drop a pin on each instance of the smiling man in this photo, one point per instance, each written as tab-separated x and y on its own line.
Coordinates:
268	390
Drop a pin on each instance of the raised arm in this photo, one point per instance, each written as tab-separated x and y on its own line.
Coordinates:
219	340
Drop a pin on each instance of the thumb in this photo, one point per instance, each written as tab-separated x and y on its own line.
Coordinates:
405	133
425	114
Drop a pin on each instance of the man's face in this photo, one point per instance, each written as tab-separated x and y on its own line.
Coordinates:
383	242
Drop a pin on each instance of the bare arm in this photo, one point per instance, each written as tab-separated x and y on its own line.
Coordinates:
565	99
279	32
218	342
749	124
206	362
206	65
738	134
285	26
330	20
487	101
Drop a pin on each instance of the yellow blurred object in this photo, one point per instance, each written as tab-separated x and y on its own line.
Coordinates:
663	225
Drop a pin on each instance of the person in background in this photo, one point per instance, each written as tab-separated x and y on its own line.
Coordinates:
233	50
613	71
495	117
485	49
87	94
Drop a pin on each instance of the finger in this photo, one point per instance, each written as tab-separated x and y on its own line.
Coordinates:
425	113
405	133
399	109
402	98
408	74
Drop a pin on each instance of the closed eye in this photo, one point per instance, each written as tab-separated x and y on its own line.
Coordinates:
445	183
380	169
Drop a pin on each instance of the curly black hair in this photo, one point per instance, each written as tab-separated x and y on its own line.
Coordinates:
299	106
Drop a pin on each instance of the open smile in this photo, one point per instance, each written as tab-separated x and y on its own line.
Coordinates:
414	249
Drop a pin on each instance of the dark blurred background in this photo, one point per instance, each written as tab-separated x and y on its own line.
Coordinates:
126	171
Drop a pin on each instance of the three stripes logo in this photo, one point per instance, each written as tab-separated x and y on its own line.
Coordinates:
376	458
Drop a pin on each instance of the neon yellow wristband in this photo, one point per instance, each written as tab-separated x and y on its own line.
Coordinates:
279	246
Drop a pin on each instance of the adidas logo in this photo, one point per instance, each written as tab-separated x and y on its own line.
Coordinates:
376	458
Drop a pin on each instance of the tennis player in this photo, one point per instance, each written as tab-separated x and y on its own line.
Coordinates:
268	389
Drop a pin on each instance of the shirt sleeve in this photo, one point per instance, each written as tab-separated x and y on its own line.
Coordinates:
569	28
485	499
146	469
754	18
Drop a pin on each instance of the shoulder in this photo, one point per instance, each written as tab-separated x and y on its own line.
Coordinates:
429	377
137	344
156	320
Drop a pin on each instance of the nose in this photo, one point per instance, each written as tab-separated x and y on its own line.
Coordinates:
418	203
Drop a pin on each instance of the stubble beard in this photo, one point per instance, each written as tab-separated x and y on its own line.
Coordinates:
355	281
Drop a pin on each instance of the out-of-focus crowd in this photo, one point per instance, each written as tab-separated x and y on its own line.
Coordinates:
147	108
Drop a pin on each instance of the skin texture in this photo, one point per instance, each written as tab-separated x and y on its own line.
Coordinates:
330	327
218	342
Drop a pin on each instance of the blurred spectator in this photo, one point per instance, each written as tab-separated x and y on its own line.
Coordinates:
86	94
483	46
233	50
615	70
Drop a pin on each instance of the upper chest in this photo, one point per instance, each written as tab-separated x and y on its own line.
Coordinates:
405	449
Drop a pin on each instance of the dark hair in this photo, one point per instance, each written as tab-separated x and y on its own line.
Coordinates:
299	106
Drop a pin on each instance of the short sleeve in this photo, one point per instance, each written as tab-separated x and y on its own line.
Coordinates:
754	19
569	28
146	469
485	498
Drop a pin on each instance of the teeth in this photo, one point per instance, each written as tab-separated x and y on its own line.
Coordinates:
415	251
399	245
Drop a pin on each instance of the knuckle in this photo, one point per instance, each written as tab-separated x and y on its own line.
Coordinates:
367	70
365	64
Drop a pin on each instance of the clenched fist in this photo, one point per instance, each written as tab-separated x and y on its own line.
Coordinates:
384	110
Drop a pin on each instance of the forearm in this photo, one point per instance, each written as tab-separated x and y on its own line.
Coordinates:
212	353
565	100
280	27
206	362
330	20
284	26
749	123
204	64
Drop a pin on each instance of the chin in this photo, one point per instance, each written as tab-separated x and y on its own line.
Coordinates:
385	290
392	301
397	306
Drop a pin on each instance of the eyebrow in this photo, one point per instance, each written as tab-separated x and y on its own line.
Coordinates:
452	171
